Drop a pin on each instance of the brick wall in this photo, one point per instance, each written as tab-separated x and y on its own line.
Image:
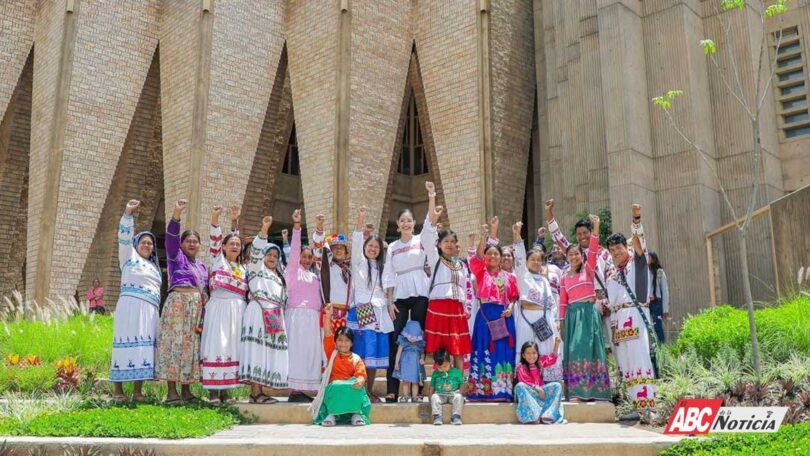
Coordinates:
16	38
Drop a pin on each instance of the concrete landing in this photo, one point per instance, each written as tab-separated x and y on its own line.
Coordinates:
599	439
419	413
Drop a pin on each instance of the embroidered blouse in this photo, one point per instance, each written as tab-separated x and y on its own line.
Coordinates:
529	375
634	272
604	262
534	288
225	275
448	281
140	278
579	286
365	290
405	267
266	287
499	288
303	286
183	272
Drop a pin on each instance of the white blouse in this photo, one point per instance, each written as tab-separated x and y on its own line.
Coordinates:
447	283
140	278
366	290
266	287
534	288
405	267
338	289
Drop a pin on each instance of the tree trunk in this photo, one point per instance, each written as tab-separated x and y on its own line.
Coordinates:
749	301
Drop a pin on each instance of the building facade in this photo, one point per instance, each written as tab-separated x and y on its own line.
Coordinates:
333	104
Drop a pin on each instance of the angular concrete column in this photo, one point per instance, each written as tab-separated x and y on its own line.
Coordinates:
17	19
627	119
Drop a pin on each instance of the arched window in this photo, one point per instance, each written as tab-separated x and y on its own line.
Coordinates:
412	160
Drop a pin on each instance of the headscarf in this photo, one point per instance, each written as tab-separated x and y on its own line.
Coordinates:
153	258
269	247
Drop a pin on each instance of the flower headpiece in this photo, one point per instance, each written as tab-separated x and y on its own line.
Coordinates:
336	239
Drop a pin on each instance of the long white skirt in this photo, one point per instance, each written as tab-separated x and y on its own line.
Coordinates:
524	333
306	349
135	332
263	358
632	350
219	346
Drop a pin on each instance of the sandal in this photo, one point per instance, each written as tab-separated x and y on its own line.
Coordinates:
404	399
329	421
262	398
390	398
374	399
172	402
357	420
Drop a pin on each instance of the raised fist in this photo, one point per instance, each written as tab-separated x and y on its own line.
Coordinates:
132	206
430	187
267	221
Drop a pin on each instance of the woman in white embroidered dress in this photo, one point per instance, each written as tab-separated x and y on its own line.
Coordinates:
370	341
536	301
405	282
222	323
137	314
263	359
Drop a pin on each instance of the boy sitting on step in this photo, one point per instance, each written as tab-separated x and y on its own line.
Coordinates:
447	383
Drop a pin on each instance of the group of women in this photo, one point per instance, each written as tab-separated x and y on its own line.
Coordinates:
252	321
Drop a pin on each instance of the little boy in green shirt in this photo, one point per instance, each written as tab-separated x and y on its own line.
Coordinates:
447	383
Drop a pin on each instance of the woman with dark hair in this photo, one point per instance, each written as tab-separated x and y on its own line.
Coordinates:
448	313
222	323
585	364
136	315
263	360
302	317
371	338
405	282
178	346
537	313
492	364
659	304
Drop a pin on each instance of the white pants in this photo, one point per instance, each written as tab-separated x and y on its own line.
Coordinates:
436	401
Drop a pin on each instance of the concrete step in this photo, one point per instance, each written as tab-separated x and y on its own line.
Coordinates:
419	413
380	439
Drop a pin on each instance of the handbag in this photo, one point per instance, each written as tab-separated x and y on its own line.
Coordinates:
651	336
365	315
203	296
542	330
497	331
273	321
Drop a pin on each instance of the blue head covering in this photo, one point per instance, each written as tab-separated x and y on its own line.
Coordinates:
270	246
153	258
412	331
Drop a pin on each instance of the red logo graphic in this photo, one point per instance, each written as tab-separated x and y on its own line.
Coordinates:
693	416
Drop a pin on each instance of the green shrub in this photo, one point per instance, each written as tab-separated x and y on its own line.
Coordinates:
135	421
788	441
86	337
783	330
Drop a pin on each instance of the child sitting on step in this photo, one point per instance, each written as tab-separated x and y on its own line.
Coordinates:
410	362
342	396
447	383
537	402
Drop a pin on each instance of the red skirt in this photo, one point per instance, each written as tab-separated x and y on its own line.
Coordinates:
446	327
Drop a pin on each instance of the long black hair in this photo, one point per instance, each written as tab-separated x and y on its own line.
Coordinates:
380	259
576	246
225	242
526	346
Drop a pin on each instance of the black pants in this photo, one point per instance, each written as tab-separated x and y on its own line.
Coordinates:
657	314
413	308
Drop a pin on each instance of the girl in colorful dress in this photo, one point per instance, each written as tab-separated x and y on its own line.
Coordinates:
341	397
536	302
264	361
137	313
222	322
371	340
405	281
492	364
584	362
449	307
335	268
409	365
178	346
302	317
537	402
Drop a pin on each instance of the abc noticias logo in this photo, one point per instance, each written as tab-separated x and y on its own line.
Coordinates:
702	416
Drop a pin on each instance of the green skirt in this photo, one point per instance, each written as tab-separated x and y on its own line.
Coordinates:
585	363
343	401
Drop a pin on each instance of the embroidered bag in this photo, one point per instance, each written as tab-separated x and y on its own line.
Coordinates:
652	337
273	321
365	315
542	330
497	328
201	287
